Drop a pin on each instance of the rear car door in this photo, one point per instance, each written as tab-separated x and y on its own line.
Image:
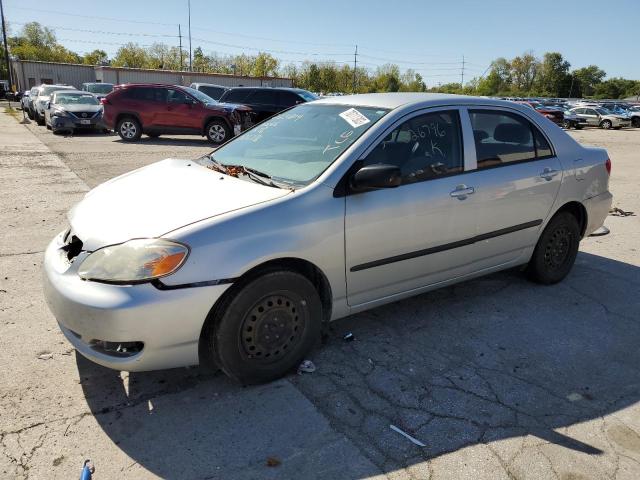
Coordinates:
149	103
404	238
516	181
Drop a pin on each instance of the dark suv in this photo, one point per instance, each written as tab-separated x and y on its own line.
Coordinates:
134	109
267	101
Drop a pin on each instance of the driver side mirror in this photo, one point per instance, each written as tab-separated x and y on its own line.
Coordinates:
373	177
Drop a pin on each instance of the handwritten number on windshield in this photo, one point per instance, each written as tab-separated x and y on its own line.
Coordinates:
337	143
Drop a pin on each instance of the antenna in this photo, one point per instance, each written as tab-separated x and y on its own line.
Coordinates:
180	36
462	79
355	68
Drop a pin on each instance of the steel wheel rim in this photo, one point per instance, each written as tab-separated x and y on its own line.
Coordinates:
128	129
557	248
272	327
217	133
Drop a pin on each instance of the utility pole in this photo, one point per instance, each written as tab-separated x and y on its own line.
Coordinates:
6	48
355	69
190	57
462	80
180	36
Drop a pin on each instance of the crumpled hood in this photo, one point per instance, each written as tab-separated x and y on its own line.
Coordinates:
80	108
159	198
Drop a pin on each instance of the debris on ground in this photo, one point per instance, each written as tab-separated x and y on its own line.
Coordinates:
413	440
348	337
618	212
306	367
45	356
600	232
87	470
273	462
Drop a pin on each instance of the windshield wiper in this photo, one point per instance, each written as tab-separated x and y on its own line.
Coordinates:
253	173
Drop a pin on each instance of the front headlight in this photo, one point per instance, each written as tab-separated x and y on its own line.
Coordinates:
59	113
135	261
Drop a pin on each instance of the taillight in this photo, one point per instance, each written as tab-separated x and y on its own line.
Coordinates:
607	165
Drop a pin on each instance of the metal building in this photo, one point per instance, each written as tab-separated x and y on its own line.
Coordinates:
29	73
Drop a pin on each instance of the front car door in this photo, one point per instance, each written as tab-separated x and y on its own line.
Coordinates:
180	111
516	182
401	239
592	117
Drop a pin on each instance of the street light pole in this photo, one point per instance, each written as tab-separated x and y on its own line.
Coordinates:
6	48
190	57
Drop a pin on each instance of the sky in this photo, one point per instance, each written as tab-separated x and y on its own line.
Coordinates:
431	37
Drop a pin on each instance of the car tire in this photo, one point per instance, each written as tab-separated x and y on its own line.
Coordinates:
635	122
606	124
30	113
265	328
129	129
556	250
39	119
578	127
47	125
217	131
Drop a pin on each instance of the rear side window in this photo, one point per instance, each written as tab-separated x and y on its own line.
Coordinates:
263	97
503	138
424	147
236	96
146	94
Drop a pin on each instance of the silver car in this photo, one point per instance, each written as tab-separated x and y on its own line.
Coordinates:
70	110
599	117
238	259
42	100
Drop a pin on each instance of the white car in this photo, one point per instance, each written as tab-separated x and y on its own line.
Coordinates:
41	101
336	206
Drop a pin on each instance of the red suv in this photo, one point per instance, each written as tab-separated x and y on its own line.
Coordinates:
134	109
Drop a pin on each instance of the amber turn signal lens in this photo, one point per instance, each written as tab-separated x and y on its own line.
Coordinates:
164	265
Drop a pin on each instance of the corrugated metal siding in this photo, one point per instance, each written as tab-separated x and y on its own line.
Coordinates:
43	72
76	75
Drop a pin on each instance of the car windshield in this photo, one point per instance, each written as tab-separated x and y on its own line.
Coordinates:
308	96
48	90
99	87
199	95
75	99
296	146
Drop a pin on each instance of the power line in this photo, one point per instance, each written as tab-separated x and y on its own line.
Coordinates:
102	32
89	16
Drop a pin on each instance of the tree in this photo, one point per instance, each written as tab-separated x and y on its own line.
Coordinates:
35	42
131	55
586	79
523	71
553	76
264	65
97	57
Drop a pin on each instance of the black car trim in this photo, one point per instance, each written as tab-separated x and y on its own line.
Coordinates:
209	283
446	246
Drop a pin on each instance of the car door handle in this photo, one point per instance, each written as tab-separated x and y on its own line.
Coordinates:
549	173
462	191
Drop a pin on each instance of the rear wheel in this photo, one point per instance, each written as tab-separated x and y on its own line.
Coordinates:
606	124
635	121
39	119
217	131
556	250
129	129
266	328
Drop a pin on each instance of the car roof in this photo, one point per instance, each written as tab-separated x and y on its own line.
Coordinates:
395	99
73	91
97	83
288	89
208	85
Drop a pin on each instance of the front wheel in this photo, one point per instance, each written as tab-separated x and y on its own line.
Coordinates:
217	131
266	328
129	129
635	122
556	250
606	124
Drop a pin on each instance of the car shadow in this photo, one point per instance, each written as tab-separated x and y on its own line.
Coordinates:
478	362
171	141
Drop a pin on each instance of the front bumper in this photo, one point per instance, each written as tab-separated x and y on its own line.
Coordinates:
70	123
168	323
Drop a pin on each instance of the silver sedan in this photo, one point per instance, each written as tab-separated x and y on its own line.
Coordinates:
238	259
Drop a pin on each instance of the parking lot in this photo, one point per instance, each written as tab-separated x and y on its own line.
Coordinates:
498	377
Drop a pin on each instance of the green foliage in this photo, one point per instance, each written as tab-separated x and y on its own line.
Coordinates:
97	57
36	42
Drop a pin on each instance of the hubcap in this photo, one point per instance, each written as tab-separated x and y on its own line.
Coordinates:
272	327
557	248
128	129
217	133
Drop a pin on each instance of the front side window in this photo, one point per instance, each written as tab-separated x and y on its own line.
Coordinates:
176	96
297	145
425	147
502	138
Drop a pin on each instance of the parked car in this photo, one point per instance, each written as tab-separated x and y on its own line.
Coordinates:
99	89
267	101
24	101
134	109
70	110
598	117
571	120
331	208
33	94
44	95
214	91
556	115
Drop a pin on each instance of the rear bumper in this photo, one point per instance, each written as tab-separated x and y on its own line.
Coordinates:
597	211
166	323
